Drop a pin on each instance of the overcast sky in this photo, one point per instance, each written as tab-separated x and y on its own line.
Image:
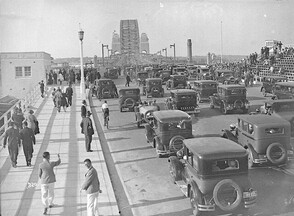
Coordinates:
52	25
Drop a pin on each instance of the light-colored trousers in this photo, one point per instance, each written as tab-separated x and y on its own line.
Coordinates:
47	191
92	204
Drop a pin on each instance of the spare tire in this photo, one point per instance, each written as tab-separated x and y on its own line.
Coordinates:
176	143
227	195
155	90
130	102
106	91
238	104
276	153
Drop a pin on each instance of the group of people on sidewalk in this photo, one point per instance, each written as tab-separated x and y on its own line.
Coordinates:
62	99
22	130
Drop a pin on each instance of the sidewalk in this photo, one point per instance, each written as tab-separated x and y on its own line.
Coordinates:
60	133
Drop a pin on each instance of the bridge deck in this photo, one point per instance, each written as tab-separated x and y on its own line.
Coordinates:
60	133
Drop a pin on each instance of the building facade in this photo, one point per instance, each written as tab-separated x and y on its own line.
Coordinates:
20	72
115	46
144	43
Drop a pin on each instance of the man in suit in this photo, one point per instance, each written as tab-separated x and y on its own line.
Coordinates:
13	138
92	186
84	108
28	139
47	177
87	130
69	93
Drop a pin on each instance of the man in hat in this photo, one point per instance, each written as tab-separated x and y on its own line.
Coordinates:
13	138
42	87
87	130
69	93
84	108
28	139
47	177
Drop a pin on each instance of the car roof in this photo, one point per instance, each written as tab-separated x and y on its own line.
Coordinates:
290	84
223	70
182	91
232	86
206	81
273	76
104	80
261	119
166	116
153	79
126	88
214	148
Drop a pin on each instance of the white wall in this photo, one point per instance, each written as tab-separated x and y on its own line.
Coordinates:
40	63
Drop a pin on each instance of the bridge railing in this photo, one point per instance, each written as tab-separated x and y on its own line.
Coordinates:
24	104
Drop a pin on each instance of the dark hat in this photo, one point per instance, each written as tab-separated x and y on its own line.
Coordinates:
84	102
31	111
89	113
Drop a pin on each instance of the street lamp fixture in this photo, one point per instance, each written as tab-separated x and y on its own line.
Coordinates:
174	46
165	50
106	46
82	84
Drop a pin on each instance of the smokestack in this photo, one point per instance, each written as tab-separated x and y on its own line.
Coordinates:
189	50
208	59
95	61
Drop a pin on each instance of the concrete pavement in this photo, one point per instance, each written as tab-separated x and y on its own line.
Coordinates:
60	133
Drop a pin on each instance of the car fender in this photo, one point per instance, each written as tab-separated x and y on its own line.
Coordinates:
192	185
149	133
177	167
252	150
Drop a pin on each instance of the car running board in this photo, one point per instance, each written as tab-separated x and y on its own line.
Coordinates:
183	186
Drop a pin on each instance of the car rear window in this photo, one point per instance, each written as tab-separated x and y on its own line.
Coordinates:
130	92
209	85
270	131
224	165
236	91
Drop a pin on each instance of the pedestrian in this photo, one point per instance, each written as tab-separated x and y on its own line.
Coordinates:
58	98
60	78
128	80
13	138
92	186
84	108
17	117
28	139
64	103
69	93
47	177
88	130
53	96
42	87
31	119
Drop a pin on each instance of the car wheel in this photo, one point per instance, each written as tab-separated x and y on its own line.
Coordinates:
121	109
176	143
154	143
211	106
227	195
198	99
276	153
175	167
224	109
138	124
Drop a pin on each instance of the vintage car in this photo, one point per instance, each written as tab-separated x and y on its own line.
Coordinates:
230	98
141	78
176	82
105	88
204	89
268	83
226	77
165	76
266	138
168	130
143	114
180	70
153	88
283	90
129	98
283	108
213	173
183	99
111	73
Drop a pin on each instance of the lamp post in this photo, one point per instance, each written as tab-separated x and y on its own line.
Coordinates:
82	84
165	50
174	46
103	53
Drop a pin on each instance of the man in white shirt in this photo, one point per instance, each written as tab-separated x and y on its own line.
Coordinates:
105	111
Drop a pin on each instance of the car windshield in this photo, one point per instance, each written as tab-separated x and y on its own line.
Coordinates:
192	68
181	78
143	75
180	69
205	70
208	85
283	107
285	88
175	125
236	91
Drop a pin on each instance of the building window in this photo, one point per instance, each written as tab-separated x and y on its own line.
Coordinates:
27	71
21	72
18	72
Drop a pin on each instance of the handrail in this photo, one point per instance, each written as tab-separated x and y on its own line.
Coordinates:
24	104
